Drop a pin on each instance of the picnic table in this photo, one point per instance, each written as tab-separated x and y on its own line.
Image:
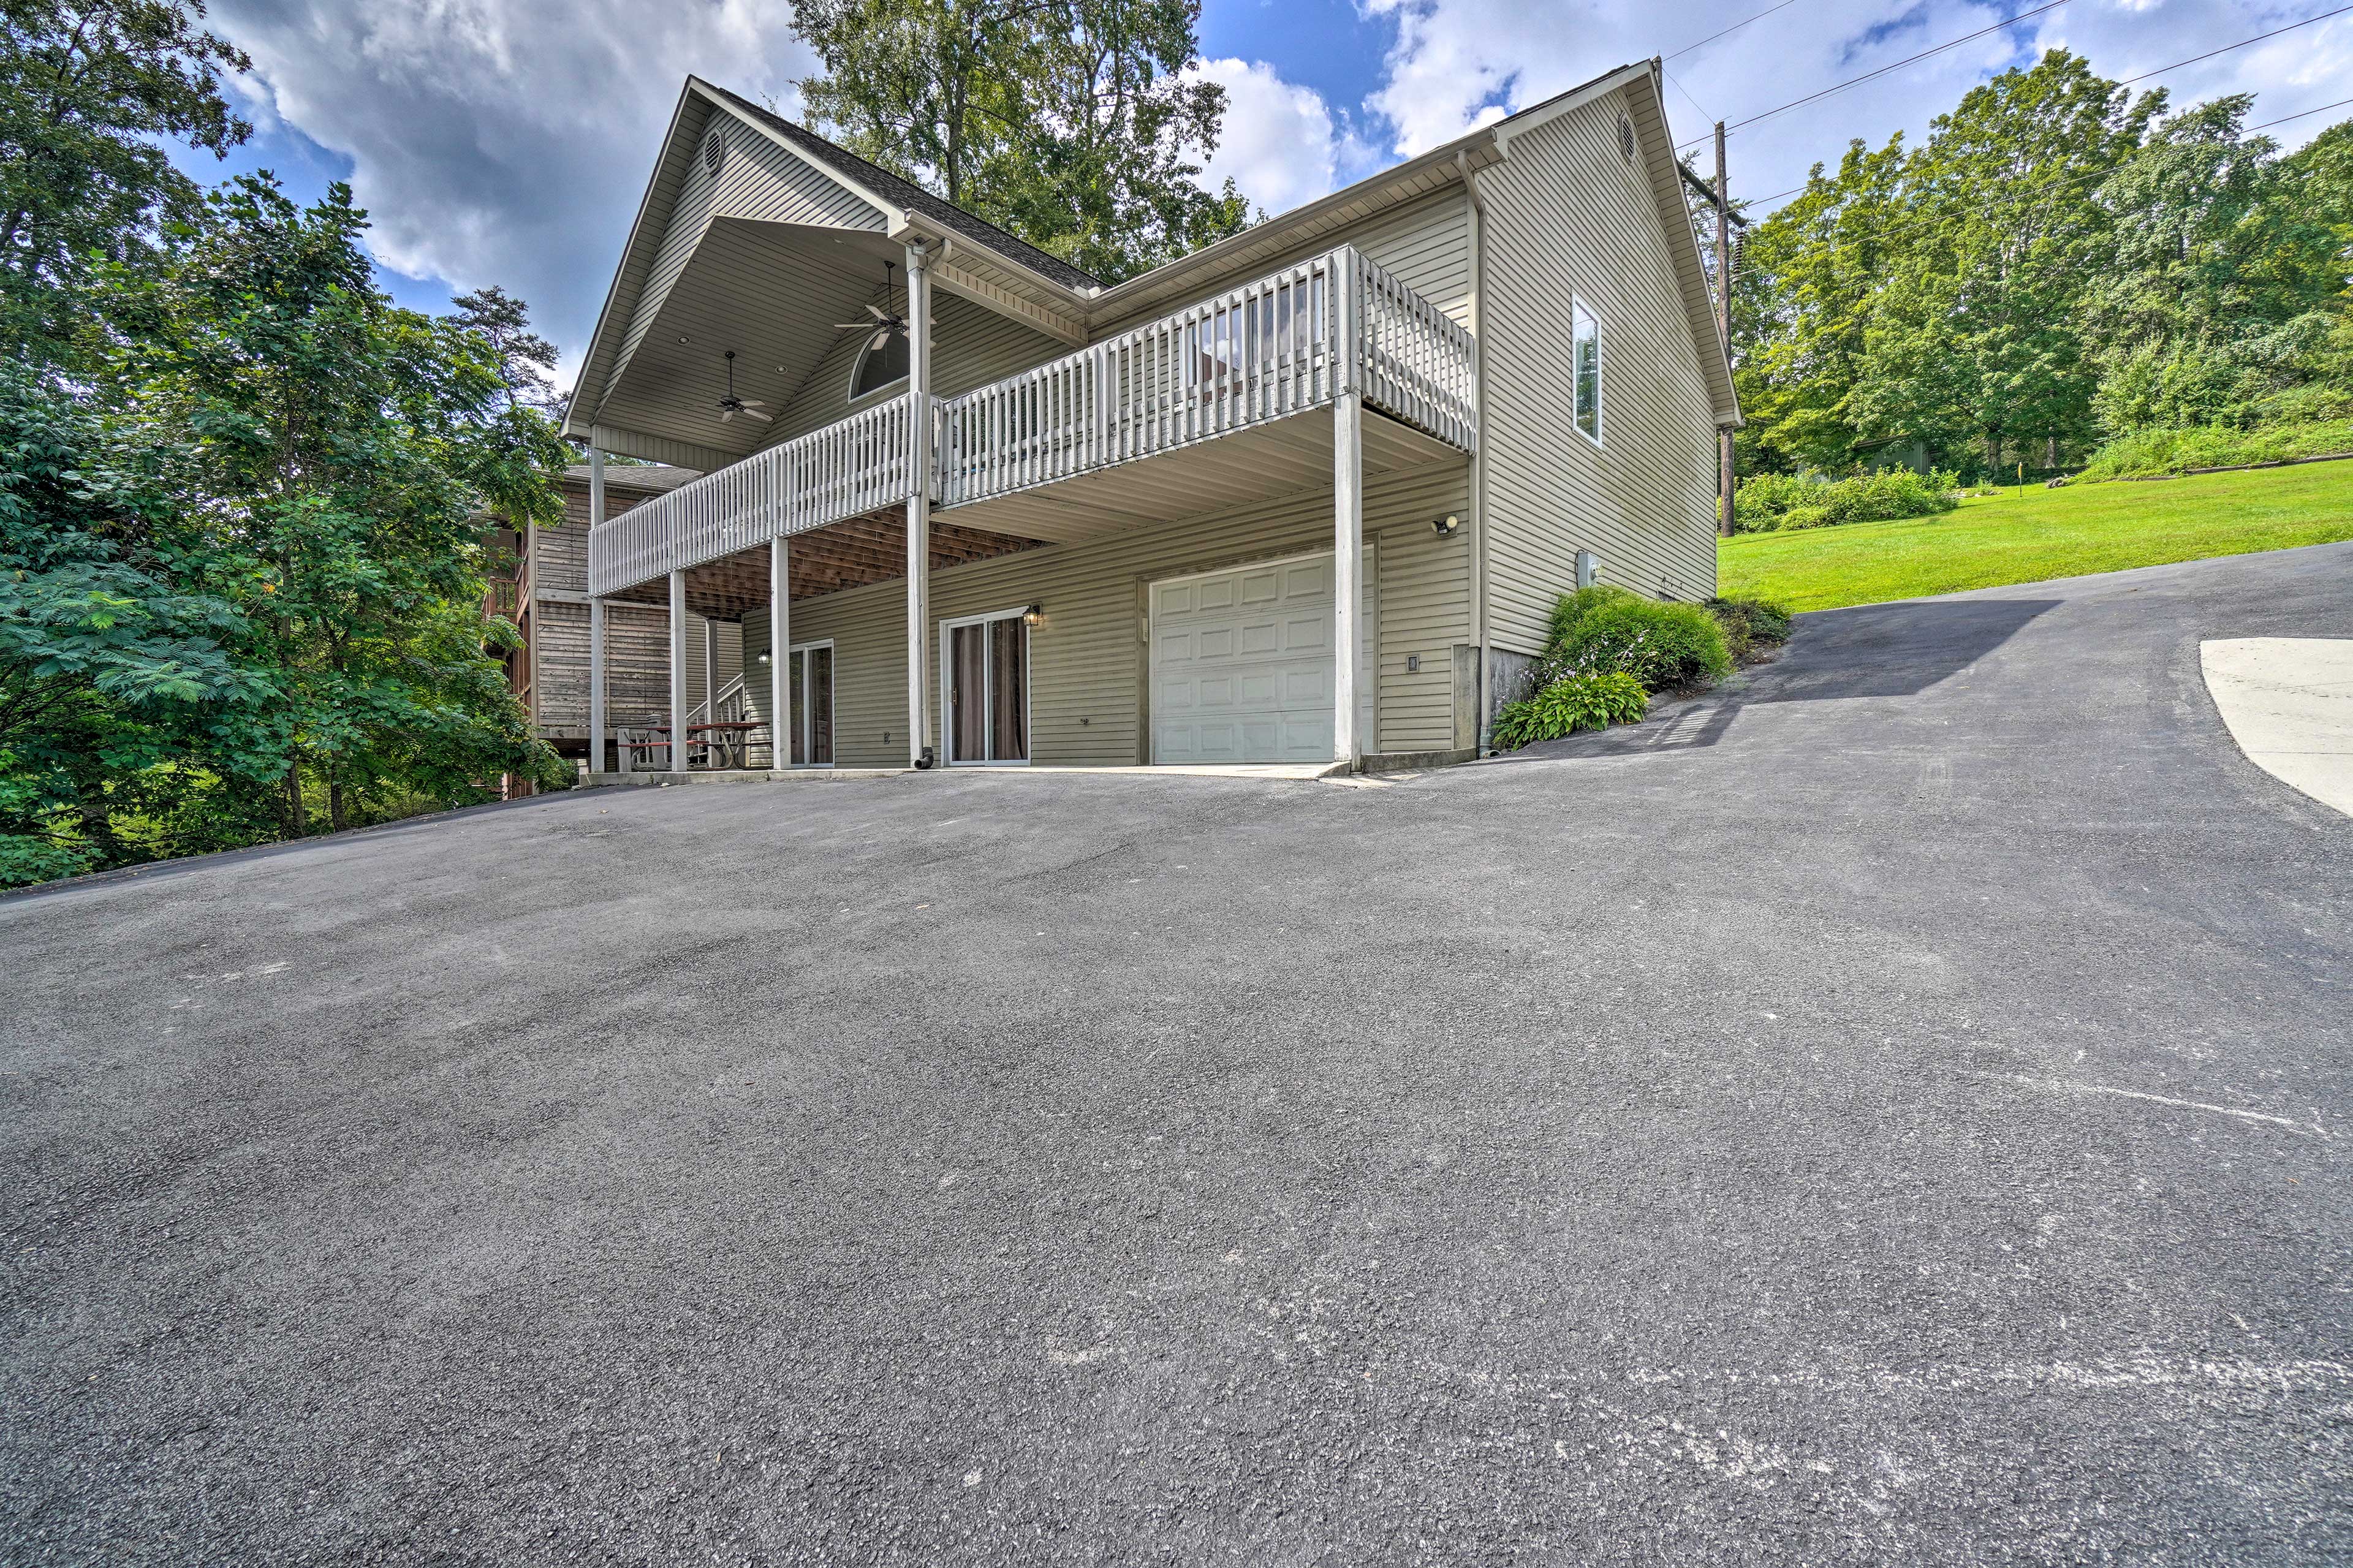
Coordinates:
723	742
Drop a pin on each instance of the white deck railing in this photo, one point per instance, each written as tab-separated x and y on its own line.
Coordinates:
1290	341
1284	344
854	465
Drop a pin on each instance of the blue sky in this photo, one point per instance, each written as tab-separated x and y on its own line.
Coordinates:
508	141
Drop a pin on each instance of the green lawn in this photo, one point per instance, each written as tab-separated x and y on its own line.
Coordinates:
2043	533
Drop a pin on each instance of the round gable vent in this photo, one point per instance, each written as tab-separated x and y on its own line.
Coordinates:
714	150
1626	137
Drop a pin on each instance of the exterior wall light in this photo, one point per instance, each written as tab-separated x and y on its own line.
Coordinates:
1034	615
1446	527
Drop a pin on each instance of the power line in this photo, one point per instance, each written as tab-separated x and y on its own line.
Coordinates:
2241	44
2284	119
1694	102
1703	43
2144	75
1883	70
1912	223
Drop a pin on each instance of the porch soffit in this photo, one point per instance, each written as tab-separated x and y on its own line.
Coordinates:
757	179
771	291
1289	456
848	554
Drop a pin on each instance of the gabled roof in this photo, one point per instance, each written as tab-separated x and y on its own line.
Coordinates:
913	198
1084	298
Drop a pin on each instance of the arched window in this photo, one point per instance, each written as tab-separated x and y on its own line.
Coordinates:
878	367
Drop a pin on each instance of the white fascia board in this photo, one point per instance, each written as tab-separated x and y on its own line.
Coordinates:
579	422
893	217
953	271
1674	217
1552	109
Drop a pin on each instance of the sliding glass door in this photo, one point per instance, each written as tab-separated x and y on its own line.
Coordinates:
985	688
809	680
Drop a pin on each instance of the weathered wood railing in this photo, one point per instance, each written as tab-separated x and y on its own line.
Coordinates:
854	465
1290	341
1283	343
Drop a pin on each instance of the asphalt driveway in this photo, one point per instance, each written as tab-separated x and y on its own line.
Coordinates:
1894	1110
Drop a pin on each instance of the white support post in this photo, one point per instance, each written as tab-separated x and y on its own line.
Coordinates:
597	686
1348	571
678	672
780	652
919	504
595	623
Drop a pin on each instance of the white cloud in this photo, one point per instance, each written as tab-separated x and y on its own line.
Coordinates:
1280	144
504	141
508	141
1458	63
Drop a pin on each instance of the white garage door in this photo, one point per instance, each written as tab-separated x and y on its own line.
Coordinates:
1241	664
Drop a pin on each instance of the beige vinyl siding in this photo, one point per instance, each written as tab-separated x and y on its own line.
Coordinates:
971	346
1086	698
757	179
1568	217
1426	243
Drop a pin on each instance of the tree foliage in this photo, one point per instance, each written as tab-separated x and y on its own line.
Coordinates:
242	505
89	89
2057	262
1072	123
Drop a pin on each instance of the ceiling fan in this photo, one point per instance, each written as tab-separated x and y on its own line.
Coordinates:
730	404
885	322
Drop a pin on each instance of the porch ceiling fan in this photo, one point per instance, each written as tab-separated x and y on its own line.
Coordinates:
885	324
730	404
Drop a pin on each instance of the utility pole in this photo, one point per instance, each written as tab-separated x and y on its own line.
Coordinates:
1724	327
1719	197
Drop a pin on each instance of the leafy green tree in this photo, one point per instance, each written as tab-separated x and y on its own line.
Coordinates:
2226	277
1106	178
90	91
525	361
1071	123
1977	331
935	91
110	670
344	450
1803	297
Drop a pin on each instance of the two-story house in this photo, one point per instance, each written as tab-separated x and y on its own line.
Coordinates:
1305	495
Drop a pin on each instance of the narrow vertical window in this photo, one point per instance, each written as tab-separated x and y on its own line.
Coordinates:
1586	359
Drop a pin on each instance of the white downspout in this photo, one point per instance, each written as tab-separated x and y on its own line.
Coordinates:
1475	221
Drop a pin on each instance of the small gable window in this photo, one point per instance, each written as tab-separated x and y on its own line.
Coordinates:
1584	361
880	367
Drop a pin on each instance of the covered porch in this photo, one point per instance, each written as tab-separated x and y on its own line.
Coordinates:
1321	377
881	389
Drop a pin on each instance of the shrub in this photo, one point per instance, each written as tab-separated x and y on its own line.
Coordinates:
1660	644
1573	702
1768	503
1749	623
2149	452
1570	609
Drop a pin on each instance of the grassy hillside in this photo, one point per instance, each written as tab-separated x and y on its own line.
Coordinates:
2043	533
